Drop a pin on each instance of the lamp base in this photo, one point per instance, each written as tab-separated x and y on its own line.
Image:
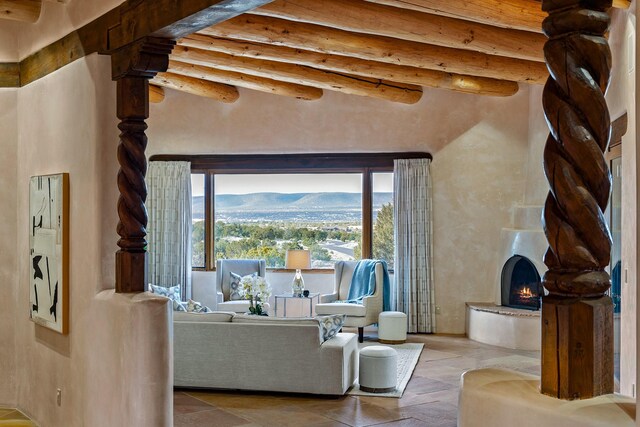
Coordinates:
297	285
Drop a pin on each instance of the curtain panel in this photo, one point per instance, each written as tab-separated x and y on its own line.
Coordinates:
414	287
170	227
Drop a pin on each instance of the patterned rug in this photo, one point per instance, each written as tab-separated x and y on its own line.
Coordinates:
408	355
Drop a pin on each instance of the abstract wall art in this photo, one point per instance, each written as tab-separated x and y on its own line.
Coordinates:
49	251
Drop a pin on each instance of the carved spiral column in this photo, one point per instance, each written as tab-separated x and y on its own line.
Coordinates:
577	317
132	67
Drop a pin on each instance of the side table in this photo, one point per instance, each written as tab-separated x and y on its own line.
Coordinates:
286	297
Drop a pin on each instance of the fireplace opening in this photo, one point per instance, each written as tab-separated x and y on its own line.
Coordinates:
521	285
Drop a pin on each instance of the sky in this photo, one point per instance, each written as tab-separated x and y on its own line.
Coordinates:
291	183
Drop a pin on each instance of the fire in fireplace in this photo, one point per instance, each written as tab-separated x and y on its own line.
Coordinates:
521	285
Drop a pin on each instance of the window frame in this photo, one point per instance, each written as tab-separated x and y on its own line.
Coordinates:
312	163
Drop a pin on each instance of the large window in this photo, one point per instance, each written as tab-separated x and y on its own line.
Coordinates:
261	216
340	207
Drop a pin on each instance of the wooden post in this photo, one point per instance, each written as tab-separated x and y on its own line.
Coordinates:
132	67
577	317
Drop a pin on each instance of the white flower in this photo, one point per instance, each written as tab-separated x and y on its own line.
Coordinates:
255	287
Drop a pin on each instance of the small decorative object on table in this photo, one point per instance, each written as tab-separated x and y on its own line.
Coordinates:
257	290
298	259
305	293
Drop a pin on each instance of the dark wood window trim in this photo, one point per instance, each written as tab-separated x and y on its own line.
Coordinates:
365	163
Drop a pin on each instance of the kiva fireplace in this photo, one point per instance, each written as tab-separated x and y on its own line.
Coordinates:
520	284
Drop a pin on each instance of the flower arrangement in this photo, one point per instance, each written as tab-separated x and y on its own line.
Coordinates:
257	290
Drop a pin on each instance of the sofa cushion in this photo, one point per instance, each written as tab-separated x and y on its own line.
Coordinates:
213	316
357	310
330	325
173	293
327	325
235	289
196	307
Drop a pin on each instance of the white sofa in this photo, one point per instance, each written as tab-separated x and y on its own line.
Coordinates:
227	351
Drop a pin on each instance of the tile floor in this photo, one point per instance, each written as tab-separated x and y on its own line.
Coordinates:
14	418
431	398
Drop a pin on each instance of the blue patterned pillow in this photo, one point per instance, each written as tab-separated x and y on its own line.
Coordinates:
234	286
196	307
330	325
173	293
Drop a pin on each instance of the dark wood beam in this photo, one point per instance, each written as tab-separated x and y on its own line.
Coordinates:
125	24
10	74
90	38
171	19
326	162
577	316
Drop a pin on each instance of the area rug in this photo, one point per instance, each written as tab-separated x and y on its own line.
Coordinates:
408	355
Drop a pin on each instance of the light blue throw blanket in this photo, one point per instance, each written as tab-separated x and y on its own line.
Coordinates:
363	283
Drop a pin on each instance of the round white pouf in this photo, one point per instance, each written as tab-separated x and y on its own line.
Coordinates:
378	369
392	327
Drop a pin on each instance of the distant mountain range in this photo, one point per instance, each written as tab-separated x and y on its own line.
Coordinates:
284	202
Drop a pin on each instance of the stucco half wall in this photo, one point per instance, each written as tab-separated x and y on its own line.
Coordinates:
115	365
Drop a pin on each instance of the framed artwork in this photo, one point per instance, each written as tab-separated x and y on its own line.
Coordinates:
49	251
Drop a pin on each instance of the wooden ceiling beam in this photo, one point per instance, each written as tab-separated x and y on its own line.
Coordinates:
360	67
299	74
517	14
524	15
21	10
362	17
264	29
247	81
156	94
219	92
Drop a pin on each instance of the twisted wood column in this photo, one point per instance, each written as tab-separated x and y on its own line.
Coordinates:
577	317
132	67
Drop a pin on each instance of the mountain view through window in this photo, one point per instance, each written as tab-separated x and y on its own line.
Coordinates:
263	215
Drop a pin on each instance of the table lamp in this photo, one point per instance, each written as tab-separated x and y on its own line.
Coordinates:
298	259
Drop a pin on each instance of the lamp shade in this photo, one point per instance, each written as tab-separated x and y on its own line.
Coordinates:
298	259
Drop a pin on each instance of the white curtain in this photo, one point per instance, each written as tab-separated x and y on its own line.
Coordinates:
169	228
412	205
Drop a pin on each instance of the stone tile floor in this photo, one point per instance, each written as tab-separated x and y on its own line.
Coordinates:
431	397
14	418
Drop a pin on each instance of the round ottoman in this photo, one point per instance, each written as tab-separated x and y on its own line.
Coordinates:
392	327
378	369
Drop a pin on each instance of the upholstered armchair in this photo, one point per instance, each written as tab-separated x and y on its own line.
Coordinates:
357	315
224	280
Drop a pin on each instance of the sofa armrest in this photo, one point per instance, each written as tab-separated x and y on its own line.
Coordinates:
220	297
326	298
344	346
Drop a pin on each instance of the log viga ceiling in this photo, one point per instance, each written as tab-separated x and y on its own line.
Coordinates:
387	49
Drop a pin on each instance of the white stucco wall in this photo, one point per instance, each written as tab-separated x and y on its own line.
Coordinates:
8	231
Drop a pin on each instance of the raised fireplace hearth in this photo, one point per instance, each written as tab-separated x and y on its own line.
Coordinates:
512	320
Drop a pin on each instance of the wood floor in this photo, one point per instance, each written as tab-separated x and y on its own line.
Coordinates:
431	398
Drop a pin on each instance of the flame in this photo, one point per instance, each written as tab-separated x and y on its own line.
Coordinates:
526	292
